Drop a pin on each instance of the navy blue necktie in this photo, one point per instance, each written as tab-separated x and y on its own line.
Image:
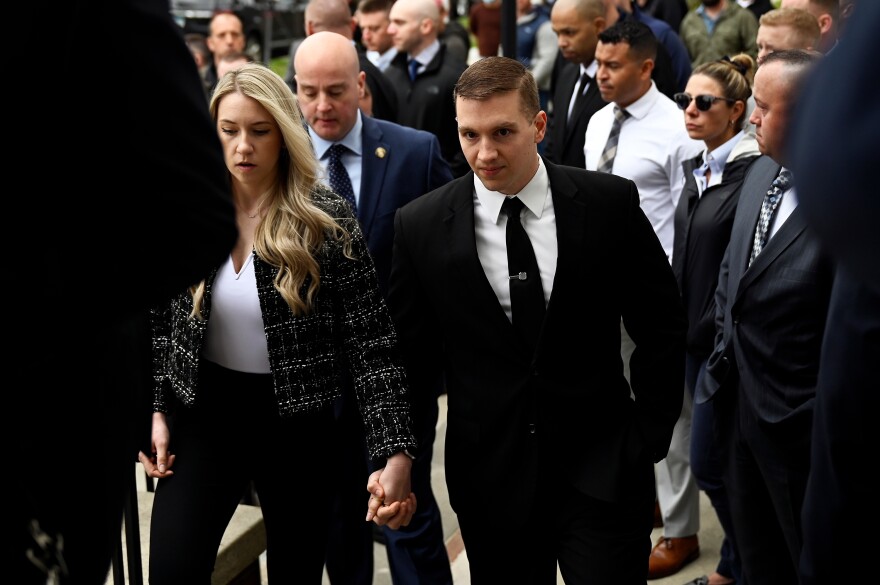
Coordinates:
526	293
339	179
413	69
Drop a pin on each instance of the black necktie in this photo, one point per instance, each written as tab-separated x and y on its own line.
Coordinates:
582	89
768	209
339	179
526	292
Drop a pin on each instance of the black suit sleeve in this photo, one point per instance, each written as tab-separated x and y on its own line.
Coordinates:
834	147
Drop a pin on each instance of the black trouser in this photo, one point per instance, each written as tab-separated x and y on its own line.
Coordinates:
234	436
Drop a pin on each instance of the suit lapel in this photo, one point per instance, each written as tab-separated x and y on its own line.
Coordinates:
566	81
749	206
787	234
581	110
758	183
374	165
464	262
570	218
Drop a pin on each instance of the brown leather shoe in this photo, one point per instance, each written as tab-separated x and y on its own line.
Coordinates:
671	554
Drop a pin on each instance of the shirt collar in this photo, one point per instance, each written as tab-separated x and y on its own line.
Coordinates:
428	54
717	158
352	140
533	195
640	108
590	69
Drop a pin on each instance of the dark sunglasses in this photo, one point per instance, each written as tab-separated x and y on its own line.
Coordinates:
704	102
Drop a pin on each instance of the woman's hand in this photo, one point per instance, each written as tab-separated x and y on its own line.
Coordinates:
392	502
158	464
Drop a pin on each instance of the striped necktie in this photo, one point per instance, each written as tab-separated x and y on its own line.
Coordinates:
606	161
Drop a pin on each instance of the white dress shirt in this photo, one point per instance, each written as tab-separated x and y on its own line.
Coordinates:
652	146
382	60
539	221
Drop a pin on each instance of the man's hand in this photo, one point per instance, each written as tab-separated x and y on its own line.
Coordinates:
392	502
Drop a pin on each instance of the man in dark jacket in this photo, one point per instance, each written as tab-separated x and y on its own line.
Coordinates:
424	74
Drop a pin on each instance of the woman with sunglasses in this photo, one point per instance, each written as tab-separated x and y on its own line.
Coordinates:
715	111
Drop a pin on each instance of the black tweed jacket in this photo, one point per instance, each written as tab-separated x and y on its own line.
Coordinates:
348	336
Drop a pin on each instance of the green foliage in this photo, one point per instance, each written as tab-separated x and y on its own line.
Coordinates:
279	65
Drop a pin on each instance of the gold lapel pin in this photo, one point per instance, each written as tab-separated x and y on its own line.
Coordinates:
380	152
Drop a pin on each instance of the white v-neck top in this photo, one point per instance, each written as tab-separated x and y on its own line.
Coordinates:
235	337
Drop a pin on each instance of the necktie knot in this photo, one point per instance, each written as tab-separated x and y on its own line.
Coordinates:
512	206
413	69
336	151
584	82
783	181
768	209
620	114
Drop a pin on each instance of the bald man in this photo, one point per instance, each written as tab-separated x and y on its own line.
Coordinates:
576	97
425	95
388	165
380	99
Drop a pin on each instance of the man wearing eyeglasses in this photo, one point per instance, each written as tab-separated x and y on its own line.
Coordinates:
651	144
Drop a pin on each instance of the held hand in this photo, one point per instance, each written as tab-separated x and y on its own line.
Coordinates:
391	501
158	464
397	514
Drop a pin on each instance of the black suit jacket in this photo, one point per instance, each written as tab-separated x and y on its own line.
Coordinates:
770	316
427	104
835	158
512	412
155	218
565	137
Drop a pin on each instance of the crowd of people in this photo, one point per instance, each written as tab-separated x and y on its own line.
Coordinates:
616	252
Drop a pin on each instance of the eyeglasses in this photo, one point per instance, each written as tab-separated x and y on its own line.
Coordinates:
704	102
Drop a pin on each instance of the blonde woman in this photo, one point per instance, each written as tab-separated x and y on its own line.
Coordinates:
248	363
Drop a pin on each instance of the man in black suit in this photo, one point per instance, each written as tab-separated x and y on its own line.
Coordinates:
833	151
424	73
389	165
86	271
548	457
771	302
575	94
335	16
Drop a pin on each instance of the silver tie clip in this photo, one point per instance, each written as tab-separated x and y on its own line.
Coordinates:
520	276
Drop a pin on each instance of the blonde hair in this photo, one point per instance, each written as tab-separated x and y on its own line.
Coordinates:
294	228
804	25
